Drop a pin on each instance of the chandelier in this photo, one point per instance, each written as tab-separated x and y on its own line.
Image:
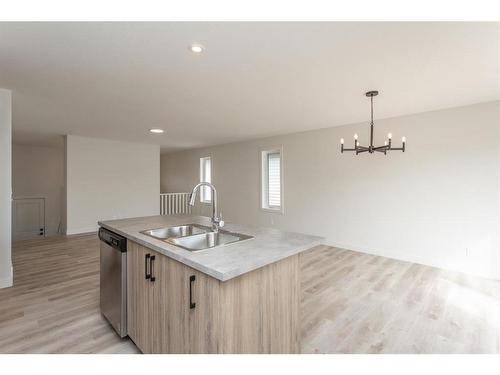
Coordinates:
371	148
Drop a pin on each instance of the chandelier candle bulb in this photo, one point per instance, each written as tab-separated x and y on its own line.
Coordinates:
356	137
341	141
389	136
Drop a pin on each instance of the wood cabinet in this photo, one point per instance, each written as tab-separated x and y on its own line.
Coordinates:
186	311
139	295
182	310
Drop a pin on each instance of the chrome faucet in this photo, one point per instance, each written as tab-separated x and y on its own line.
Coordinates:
217	221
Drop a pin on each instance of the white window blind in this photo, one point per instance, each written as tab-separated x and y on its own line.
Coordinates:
274	180
205	176
272	184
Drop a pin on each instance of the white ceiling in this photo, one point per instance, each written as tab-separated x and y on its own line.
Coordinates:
117	80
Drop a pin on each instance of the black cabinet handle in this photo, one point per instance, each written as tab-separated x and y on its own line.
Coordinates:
151	268
192	304
146	261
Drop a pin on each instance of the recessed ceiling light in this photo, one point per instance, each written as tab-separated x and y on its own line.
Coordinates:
196	48
156	131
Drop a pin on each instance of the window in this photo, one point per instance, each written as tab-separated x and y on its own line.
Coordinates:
272	186
205	176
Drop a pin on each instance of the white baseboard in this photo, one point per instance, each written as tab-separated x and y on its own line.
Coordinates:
412	258
71	231
388	254
366	250
7	282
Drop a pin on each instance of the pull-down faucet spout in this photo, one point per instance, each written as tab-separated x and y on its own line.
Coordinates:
217	221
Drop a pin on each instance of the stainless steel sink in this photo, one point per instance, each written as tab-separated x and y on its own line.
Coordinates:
175	232
195	237
207	240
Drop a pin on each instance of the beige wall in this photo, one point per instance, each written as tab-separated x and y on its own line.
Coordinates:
109	180
438	203
5	187
38	172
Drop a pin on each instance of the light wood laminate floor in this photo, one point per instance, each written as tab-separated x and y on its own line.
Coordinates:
351	303
54	304
360	303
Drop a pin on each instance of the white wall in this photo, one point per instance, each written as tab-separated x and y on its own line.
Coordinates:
437	204
109	180
5	187
39	172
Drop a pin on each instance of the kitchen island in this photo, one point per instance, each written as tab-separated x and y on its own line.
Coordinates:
242	297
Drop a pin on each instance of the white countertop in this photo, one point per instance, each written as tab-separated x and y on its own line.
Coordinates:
225	262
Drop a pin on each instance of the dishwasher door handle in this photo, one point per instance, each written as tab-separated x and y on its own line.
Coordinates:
147	274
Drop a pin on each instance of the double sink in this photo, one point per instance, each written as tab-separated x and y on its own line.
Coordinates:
195	237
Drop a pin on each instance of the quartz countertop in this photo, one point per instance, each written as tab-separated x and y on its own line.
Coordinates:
225	262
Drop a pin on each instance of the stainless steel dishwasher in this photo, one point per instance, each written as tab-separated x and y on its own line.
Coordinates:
113	289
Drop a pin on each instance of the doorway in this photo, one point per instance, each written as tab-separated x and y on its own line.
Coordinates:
28	218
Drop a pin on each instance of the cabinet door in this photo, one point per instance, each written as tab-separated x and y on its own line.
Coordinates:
138	297
176	299
204	316
160	326
184	303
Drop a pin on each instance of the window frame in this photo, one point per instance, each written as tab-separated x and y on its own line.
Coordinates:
202	179
264	180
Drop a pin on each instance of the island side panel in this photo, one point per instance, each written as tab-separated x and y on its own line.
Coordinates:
283	310
260	310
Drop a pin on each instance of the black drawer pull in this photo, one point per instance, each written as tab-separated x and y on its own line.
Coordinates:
192	304
146	261
152	278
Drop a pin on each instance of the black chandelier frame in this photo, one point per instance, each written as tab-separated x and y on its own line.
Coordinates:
371	148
